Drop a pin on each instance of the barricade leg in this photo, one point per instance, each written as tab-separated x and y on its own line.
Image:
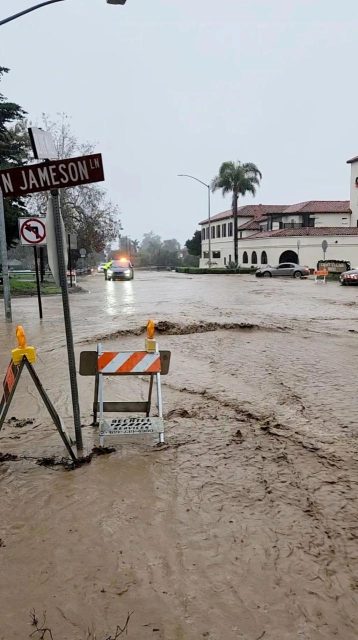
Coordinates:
160	405
100	400
150	396
10	384
95	401
50	408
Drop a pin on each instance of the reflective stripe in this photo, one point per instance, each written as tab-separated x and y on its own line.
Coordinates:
129	362
115	363
149	360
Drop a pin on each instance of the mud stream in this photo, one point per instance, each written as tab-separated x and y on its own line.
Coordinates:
244	525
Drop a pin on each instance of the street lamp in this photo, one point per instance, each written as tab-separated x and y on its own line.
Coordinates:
44	4
3	247
185	175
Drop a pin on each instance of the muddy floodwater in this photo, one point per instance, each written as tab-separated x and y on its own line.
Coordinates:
244	525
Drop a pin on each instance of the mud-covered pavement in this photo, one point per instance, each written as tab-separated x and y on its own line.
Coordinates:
245	525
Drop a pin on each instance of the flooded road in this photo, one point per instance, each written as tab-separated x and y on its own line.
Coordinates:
245	525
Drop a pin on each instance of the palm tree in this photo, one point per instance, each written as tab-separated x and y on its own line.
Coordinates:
237	178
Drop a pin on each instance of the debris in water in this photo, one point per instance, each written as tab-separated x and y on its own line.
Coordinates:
19	424
238	438
178	413
6	457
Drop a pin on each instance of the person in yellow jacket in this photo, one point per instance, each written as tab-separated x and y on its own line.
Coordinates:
106	267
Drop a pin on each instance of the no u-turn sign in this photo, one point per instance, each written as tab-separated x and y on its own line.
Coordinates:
32	231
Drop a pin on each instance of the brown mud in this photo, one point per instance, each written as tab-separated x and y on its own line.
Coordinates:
244	525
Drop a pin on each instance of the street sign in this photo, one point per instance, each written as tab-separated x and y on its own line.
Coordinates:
32	231
57	174
51	243
324	246
42	143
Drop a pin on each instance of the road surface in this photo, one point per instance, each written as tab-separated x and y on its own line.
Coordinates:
245	525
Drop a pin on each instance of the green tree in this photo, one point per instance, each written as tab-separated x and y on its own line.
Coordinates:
155	252
238	179
13	152
194	245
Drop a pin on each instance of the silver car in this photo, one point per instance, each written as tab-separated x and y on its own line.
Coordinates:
289	269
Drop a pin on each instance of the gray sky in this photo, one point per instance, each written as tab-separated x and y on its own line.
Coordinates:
179	86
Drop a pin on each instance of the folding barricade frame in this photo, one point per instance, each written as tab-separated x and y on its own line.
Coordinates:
12	377
153	364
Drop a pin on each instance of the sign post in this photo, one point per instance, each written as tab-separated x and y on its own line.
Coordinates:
62	272
3	257
32	232
324	248
52	176
38	282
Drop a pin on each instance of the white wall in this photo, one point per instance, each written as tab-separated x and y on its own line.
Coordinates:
339	248
354	193
332	219
224	245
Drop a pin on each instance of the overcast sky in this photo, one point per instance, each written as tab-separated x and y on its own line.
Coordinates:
179	86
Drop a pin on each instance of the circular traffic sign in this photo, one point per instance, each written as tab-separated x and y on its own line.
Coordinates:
33	230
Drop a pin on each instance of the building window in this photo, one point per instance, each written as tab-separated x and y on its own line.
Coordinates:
206	255
254	257
218	230
225	261
245	257
213	232
223	230
203	234
216	254
264	257
229	228
230	253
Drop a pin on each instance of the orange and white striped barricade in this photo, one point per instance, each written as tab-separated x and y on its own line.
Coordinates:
320	275
24	357
102	363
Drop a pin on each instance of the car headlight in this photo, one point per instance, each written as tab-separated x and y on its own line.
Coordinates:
127	272
110	272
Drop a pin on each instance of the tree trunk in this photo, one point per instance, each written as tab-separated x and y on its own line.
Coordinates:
235	198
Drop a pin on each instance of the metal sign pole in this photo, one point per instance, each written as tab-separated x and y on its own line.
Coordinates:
67	316
3	257
69	258
38	282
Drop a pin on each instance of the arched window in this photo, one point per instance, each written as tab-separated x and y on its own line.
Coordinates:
254	257
264	257
245	257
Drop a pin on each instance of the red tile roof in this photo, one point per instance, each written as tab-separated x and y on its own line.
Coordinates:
260	211
305	231
248	211
320	206
252	225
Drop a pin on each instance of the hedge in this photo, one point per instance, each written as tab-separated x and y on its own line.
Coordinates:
197	270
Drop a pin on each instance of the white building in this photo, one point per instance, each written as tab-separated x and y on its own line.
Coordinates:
270	234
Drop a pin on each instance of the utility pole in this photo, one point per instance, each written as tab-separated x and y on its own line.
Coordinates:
5	268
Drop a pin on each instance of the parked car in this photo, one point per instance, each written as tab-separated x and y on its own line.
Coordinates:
120	270
349	277
284	269
100	267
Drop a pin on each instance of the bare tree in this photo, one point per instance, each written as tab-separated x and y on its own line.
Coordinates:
86	209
